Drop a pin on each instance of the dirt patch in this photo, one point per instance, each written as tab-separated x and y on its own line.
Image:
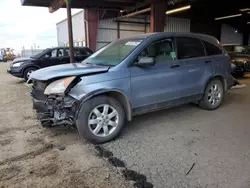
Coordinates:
5	142
9	172
35	141
31	154
45	170
31	160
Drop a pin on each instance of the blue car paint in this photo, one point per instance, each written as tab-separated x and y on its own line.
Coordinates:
142	87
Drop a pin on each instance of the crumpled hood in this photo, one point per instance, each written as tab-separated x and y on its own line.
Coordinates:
74	69
21	59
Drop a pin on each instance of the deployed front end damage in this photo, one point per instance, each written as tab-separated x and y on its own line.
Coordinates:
53	110
51	88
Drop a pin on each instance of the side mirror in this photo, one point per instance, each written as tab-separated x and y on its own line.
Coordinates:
145	61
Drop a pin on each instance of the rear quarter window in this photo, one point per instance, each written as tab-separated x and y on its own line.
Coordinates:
211	49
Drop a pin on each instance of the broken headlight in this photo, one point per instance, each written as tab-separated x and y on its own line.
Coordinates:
58	87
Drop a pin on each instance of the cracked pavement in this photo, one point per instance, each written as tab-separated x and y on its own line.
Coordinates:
164	145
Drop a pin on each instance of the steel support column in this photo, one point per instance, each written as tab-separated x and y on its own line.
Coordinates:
91	26
245	38
70	32
158	16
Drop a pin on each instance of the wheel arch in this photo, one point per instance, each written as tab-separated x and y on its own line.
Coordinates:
219	77
116	94
27	67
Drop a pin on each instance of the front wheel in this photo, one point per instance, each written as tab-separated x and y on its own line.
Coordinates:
213	95
28	72
100	119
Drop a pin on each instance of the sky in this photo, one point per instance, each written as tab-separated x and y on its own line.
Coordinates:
28	26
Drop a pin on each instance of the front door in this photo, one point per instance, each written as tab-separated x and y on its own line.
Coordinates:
52	58
156	86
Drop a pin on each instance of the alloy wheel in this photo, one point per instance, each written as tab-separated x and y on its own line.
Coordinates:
103	120
214	94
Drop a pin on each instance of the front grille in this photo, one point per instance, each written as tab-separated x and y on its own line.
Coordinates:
247	65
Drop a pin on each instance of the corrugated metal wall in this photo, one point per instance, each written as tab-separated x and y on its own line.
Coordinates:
107	32
177	24
78	30
229	36
108	29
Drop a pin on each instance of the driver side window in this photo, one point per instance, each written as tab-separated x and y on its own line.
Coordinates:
162	51
54	53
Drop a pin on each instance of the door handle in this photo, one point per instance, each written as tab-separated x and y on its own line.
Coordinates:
208	61
174	66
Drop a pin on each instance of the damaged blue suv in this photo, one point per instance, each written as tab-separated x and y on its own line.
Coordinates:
132	76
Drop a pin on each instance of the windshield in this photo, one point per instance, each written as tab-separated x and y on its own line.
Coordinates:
237	48
113	53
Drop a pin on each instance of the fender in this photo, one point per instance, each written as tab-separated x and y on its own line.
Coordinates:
220	77
125	103
28	65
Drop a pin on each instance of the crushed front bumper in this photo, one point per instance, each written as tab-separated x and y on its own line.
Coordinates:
55	110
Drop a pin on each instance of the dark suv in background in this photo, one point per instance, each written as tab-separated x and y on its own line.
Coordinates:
23	67
240	56
132	76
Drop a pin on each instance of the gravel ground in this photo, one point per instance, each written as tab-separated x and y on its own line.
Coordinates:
30	155
165	145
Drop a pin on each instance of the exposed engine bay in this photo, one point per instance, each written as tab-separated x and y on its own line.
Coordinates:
52	110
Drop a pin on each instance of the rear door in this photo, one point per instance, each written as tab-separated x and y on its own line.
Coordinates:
196	65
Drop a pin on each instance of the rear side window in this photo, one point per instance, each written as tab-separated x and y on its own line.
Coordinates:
211	49
189	48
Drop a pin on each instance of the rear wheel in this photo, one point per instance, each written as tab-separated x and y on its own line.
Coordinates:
213	95
28	72
100	119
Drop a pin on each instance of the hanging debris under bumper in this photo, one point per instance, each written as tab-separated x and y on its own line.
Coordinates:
55	110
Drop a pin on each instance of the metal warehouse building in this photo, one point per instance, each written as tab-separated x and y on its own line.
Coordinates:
112	29
103	21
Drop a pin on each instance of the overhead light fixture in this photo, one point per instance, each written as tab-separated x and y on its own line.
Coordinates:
248	23
226	17
178	9
244	9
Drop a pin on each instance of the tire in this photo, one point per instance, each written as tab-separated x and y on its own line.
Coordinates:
212	97
27	73
93	125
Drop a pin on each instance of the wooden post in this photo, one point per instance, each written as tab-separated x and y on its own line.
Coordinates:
70	32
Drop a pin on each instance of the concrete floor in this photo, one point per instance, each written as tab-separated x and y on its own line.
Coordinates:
164	145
